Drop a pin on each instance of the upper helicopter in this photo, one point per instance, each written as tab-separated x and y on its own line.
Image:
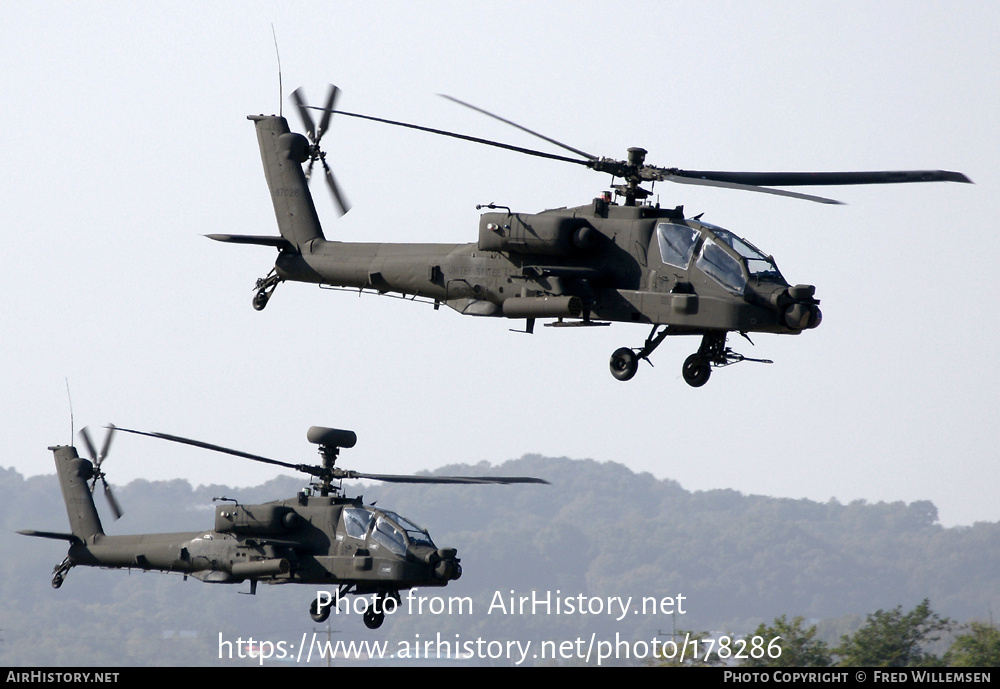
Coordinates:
320	537
618	258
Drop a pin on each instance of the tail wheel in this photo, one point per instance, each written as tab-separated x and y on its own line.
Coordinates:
61	570
260	300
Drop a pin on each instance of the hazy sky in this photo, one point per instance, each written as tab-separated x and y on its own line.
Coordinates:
125	140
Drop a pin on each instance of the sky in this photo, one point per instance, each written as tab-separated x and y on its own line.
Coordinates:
125	140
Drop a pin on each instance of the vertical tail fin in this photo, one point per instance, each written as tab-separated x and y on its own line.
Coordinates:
74	472
283	153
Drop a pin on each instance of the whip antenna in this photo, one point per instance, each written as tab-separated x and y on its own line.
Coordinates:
71	428
280	89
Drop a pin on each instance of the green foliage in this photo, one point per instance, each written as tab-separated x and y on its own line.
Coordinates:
978	647
892	639
799	647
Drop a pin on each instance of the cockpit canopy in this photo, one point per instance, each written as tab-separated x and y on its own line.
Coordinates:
389	529
726	258
758	265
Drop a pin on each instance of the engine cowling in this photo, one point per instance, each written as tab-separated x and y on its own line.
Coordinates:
549	235
255	519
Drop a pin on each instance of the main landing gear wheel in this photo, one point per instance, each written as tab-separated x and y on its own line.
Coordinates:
696	371
624	363
374	620
318	614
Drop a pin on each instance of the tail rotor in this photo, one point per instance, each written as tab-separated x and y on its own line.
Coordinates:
97	458
315	135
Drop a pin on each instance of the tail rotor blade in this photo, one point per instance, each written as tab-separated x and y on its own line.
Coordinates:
110	497
299	97
331	103
107	443
338	198
85	434
315	135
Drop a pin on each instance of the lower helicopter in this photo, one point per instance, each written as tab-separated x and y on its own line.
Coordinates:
320	537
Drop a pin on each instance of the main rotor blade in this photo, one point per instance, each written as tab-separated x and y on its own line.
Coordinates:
335	473
299	96
210	446
464	137
680	179
523	129
396	478
792	179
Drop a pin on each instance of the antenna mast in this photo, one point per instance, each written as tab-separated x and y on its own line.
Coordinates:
280	89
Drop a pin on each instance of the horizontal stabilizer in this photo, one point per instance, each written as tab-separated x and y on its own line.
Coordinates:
50	534
279	242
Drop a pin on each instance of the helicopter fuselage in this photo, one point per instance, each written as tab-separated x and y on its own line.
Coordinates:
613	272
314	549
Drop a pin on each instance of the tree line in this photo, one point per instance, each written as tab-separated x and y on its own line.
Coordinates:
888	638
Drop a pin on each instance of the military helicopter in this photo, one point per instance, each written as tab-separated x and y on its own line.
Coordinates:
320	537
631	262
